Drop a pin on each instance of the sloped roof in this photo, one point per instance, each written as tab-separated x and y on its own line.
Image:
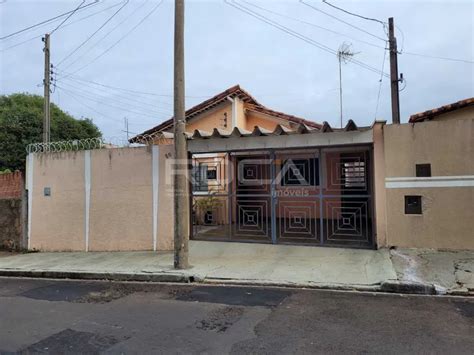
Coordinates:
234	91
284	116
430	114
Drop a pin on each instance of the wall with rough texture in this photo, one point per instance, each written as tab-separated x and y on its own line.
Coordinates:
101	200
447	197
10	224
11	185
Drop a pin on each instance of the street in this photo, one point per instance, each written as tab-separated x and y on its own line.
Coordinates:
56	316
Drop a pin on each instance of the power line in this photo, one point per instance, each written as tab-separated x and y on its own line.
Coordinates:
98	112
46	21
118	94
69	24
107	34
67	18
345	22
87	106
311	24
127	90
121	38
94	33
441	58
298	35
106	104
380	84
353	38
354	14
103	97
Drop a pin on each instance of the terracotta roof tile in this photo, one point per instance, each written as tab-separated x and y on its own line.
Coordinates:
430	114
284	116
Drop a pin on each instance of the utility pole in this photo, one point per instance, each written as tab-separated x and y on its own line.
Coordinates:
181	186
46	84
394	72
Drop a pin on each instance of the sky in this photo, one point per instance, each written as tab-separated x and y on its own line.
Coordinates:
125	69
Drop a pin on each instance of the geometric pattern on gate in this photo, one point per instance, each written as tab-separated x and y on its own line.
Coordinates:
347	220
298	219
252	217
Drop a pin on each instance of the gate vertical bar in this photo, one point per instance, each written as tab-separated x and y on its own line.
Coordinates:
273	197
322	181
230	179
371	193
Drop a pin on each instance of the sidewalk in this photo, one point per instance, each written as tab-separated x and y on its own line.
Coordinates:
449	271
255	264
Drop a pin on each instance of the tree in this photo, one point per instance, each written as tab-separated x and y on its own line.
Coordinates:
21	123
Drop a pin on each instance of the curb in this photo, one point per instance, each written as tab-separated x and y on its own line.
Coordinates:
311	286
413	288
391	286
75	275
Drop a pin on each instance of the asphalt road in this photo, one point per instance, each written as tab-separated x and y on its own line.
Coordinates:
46	316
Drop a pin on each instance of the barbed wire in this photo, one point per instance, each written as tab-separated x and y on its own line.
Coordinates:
99	143
62	146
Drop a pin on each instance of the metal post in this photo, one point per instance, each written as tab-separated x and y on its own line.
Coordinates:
340	85
181	188
393	72
273	197
46	83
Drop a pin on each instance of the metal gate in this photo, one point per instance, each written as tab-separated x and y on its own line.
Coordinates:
314	196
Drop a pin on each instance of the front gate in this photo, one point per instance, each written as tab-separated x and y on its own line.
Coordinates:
313	196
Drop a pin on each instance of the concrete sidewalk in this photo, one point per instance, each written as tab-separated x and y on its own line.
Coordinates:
260	264
449	271
219	262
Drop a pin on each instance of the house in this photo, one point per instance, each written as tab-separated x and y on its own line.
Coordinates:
259	175
232	108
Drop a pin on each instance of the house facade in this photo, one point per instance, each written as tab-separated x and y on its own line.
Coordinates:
260	175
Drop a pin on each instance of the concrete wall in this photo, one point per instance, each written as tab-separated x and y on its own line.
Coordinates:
447	219
100	200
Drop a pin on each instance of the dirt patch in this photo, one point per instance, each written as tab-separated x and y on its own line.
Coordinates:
221	320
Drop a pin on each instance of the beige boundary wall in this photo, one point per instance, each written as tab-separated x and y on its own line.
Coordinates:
100	200
447	219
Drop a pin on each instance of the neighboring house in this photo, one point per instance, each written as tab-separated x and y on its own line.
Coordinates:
463	109
264	176
231	108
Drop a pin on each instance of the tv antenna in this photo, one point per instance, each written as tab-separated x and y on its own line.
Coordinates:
344	53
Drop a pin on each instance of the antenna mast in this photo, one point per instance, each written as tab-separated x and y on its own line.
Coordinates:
343	54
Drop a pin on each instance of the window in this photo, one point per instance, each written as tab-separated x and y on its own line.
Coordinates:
200	177
423	170
413	205
300	172
354	174
211	173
